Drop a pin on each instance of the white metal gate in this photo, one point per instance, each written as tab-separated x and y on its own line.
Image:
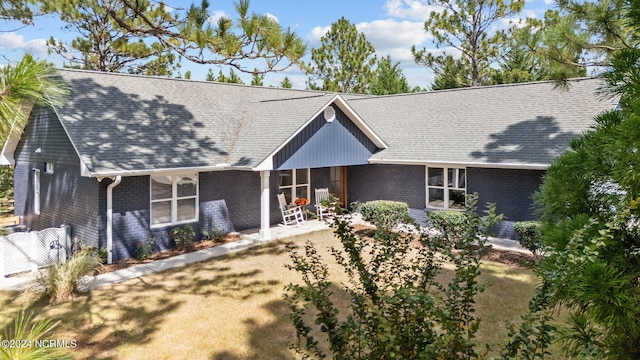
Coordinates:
29	251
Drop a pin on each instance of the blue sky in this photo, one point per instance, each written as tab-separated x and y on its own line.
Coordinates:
392	26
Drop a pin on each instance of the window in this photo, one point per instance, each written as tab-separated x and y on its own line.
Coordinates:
446	187
36	191
295	184
48	168
174	199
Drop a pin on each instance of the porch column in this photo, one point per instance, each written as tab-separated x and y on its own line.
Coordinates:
265	231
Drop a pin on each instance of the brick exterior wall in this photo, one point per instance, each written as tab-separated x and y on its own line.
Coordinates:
320	178
228	200
387	182
131	218
511	191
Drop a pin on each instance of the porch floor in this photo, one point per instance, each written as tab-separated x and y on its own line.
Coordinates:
281	232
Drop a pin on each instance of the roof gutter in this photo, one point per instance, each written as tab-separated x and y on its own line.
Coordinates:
519	166
218	167
115	182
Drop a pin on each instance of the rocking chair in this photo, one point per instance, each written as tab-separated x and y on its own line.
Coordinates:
323	207
290	214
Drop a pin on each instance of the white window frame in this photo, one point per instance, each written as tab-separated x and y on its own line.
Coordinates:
174	200
36	191
445	185
294	184
48	168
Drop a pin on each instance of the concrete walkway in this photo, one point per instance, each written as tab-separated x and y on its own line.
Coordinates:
249	239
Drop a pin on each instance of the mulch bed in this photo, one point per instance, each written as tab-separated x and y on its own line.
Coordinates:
511	258
198	245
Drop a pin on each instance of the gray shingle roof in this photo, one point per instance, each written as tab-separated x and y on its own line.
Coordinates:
134	123
128	124
520	125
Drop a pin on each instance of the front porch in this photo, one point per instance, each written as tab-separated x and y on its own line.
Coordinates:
280	232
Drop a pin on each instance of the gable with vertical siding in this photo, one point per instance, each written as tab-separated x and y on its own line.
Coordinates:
44	140
325	144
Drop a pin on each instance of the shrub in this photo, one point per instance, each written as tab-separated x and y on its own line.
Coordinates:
214	234
61	280
398	307
333	205
26	330
529	236
145	249
183	237
103	255
450	223
385	214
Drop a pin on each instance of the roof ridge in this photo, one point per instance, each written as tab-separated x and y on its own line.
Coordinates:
107	73
297	98
477	88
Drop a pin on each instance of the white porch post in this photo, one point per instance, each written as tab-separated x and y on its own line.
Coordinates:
265	231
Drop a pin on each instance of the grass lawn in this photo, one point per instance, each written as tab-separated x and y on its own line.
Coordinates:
225	308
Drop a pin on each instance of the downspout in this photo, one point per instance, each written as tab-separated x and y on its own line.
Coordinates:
113	184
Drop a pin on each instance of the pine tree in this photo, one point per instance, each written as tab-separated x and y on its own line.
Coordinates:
232	78
286	83
590	203
189	33
27	82
345	60
257	79
102	45
466	26
389	79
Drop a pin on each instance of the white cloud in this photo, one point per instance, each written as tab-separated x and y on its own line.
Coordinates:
410	9
316	33
386	35
216	16
13	41
272	17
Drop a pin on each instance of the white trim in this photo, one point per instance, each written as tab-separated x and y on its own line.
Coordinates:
37	188
445	186
360	123
265	212
116	182
174	200
267	163
518	166
168	171
7	157
294	184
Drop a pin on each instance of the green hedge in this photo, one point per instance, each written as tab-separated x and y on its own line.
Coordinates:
385	214
529	237
450	222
